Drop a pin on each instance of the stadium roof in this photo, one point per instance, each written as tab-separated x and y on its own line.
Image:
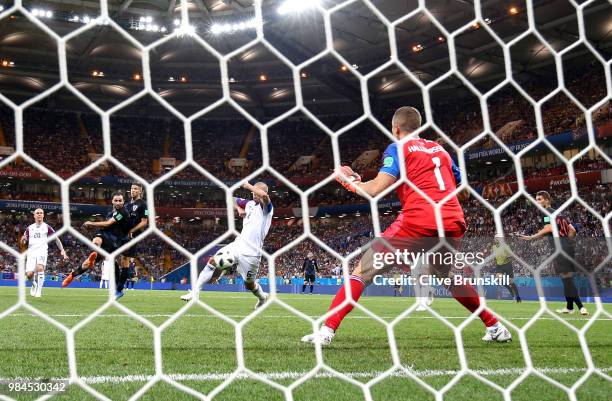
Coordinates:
107	68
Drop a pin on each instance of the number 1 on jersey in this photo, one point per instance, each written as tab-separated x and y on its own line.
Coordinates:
436	162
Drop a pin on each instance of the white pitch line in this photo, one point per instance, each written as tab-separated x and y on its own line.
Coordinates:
285	316
297	375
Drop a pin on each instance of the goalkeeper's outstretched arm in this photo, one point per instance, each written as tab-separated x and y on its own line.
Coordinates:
373	187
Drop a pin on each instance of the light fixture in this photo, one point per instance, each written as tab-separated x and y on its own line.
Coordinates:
232	80
219	28
137	77
263	77
183	79
417	48
295	6
94	73
475	25
304	75
513	10
440	38
171	79
344	68
189	30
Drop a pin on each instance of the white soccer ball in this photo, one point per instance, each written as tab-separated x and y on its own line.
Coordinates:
225	259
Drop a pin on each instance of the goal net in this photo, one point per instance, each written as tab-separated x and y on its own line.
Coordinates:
191	99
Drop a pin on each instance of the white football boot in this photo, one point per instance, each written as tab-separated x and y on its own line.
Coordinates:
324	336
584	312
565	311
497	333
262	301
187	297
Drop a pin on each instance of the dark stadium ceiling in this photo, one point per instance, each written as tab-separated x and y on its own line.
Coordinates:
107	68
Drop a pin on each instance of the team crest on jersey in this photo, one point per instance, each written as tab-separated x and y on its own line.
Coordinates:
134	207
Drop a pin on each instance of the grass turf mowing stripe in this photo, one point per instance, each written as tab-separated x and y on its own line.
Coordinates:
297	375
286	316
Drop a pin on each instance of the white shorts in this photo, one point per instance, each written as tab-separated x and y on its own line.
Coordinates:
247	265
32	260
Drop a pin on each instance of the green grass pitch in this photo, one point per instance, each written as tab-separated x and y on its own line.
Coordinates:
114	352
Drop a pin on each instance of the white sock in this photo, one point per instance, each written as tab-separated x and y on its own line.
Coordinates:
106	284
40	276
258	292
327	329
205	275
419	292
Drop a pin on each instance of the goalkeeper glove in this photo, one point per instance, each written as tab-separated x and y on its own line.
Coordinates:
352	177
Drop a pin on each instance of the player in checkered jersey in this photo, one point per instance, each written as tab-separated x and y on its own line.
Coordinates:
563	265
431	169
35	237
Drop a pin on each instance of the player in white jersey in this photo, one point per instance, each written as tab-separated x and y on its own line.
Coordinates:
257	214
105	276
35	237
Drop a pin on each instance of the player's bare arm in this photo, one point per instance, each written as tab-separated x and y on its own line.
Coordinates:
374	187
140	226
60	246
571	231
547	229
240	210
258	192
100	224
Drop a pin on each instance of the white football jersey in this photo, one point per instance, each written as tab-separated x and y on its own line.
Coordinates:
106	266
255	227
37	235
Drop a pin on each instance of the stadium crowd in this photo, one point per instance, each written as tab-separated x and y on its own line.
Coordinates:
140	142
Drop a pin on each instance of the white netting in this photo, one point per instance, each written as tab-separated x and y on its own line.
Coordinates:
321	368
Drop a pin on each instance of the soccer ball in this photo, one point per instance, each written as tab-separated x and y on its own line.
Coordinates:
225	259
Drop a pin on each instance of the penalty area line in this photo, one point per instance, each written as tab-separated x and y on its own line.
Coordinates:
294	375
